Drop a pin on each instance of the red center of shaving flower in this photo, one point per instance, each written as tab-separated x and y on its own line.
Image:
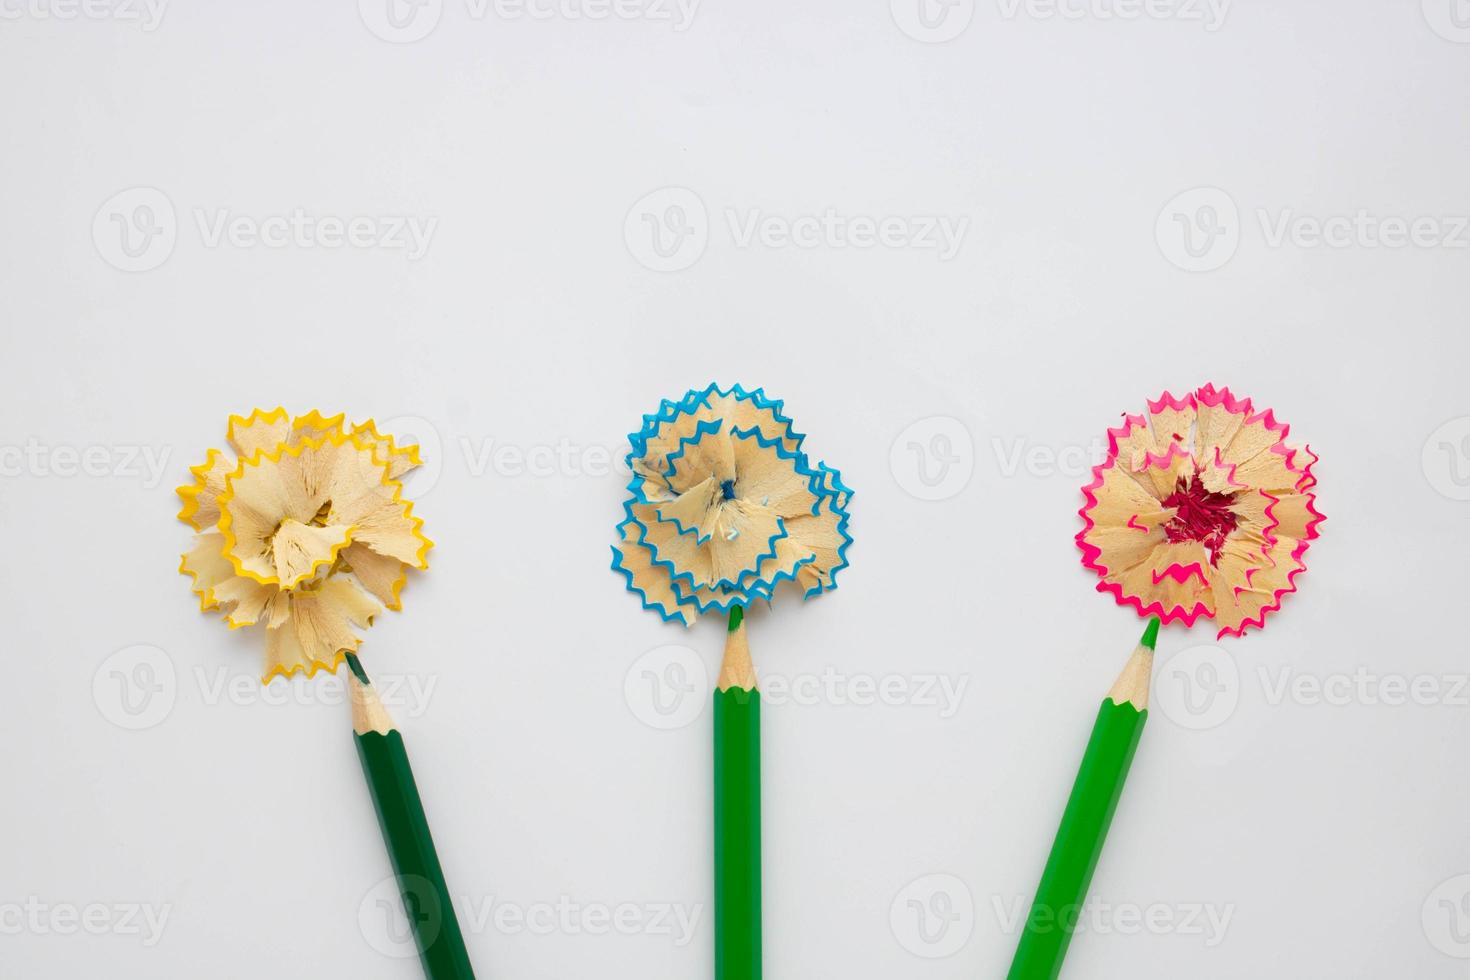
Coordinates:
1200	515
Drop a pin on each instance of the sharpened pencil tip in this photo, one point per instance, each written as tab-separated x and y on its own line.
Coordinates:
1151	633
355	666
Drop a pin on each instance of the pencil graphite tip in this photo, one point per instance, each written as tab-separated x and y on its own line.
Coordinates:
1133	683
355	666
736	669
1151	633
368	713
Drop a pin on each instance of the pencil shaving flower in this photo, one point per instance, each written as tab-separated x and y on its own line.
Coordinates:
1201	509
725	506
305	530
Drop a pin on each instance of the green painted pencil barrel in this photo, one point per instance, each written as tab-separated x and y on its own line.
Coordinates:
737	834
426	899
1079	841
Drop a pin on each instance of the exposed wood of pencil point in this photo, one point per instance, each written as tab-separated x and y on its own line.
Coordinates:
737	670
368	713
1133	683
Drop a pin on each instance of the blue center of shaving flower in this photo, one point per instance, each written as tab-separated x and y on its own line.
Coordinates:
728	489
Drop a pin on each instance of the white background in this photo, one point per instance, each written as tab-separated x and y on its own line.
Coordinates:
1331	834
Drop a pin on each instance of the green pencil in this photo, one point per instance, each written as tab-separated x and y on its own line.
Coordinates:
426	899
1064	883
737	811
